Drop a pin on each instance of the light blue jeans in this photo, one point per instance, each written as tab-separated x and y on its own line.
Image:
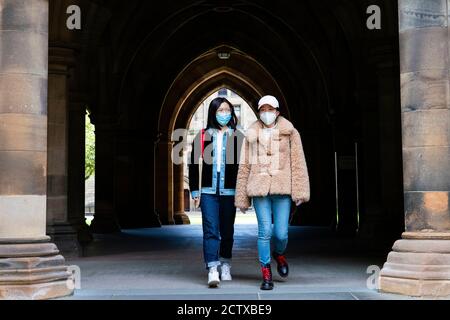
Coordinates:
280	207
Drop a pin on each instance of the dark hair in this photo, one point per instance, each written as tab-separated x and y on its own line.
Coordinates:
213	107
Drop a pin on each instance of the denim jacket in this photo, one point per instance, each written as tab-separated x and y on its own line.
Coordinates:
225	189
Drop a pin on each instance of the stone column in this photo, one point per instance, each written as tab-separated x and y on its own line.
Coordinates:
419	264
105	218
180	217
347	189
76	168
30	266
381	153
163	177
62	232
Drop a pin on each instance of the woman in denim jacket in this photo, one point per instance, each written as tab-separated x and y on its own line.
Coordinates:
218	148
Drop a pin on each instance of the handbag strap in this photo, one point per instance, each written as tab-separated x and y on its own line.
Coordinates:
200	171
202	142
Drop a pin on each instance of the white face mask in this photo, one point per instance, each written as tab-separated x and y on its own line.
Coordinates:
268	117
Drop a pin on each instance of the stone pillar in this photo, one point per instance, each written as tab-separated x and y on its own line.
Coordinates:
419	264
180	217
76	168
381	206
30	266
62	232
105	219
347	188
163	178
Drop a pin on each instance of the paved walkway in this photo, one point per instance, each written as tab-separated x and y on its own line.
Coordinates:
166	263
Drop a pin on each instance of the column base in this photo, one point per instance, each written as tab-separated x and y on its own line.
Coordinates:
33	271
166	220
181	218
70	237
65	237
41	291
379	232
103	224
418	266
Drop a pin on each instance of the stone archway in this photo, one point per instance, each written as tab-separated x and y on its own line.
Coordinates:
200	79
144	68
315	53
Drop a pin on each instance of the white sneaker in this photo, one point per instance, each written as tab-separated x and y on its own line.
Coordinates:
225	274
213	278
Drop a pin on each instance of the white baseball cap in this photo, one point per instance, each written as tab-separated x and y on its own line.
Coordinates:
270	100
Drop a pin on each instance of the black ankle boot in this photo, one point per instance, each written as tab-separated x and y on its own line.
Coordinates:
267	277
282	265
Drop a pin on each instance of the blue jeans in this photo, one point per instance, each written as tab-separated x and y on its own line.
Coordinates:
279	207
218	217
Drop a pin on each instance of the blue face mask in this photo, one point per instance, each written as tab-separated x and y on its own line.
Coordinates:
223	118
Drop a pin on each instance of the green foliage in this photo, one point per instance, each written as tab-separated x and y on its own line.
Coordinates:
90	149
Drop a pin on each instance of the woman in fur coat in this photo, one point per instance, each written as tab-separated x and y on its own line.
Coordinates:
272	172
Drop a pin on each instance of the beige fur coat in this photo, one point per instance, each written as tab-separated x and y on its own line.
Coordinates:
272	164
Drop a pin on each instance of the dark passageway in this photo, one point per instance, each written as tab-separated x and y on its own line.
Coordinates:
142	73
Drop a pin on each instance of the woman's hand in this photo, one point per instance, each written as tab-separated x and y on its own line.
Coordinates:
197	202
